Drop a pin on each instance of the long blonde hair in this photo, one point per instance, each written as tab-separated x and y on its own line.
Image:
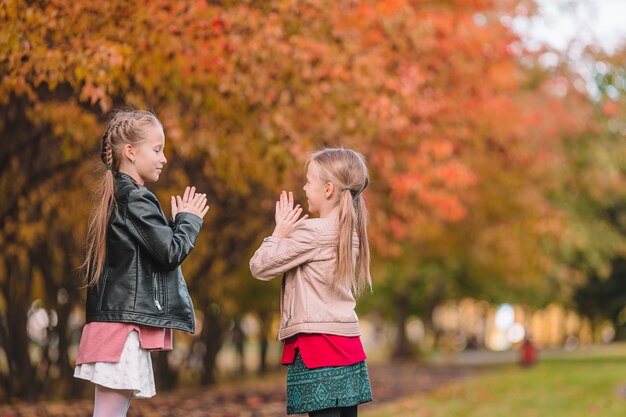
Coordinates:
346	170
125	127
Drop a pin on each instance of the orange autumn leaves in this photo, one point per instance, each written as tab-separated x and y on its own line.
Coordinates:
468	140
432	92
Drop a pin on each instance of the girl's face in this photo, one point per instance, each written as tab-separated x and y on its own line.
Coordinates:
315	189
149	156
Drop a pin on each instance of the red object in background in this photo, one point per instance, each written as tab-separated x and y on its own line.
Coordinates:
529	353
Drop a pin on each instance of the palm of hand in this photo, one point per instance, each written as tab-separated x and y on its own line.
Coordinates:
190	202
287	216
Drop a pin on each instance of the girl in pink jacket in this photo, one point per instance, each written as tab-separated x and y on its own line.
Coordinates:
324	263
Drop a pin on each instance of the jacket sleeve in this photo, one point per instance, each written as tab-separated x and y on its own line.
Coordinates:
168	244
276	256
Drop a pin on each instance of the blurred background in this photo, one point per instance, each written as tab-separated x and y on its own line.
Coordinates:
494	130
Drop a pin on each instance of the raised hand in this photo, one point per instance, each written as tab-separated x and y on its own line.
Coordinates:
178	202
190	202
287	216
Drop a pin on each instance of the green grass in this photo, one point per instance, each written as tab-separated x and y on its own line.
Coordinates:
571	386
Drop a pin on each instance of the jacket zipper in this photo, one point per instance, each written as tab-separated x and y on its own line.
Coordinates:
290	306
156	292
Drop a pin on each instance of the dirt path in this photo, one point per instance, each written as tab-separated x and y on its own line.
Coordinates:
259	398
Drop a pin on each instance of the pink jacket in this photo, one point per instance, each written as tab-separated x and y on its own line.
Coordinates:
308	259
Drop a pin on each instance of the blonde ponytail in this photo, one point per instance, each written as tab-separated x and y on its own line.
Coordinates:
346	270
363	278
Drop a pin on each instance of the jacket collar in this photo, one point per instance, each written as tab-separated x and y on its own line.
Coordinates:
125	177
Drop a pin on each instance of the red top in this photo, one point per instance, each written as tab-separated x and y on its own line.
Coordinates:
319	350
104	342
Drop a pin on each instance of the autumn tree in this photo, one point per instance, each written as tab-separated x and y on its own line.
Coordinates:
594	197
463	135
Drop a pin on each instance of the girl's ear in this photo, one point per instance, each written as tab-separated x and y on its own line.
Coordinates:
329	190
129	152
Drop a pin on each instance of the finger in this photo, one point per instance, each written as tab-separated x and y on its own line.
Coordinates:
290	199
201	202
205	211
173	204
186	194
283	199
179	202
192	193
193	204
306	216
297	213
294	214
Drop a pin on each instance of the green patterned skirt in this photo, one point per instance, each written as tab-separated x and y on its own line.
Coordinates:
329	387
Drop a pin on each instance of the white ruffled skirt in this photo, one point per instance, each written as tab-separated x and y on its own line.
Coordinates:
133	372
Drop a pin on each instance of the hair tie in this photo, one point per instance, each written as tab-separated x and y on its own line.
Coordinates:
109	168
367	181
357	193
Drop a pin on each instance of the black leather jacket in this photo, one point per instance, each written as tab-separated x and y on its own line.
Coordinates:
142	281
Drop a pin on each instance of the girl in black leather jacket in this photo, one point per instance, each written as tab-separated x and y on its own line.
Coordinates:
136	293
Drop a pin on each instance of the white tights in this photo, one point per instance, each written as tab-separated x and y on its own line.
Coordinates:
110	402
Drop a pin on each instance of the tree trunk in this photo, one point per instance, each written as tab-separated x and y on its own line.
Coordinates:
265	319
402	348
212	337
239	340
22	383
166	376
